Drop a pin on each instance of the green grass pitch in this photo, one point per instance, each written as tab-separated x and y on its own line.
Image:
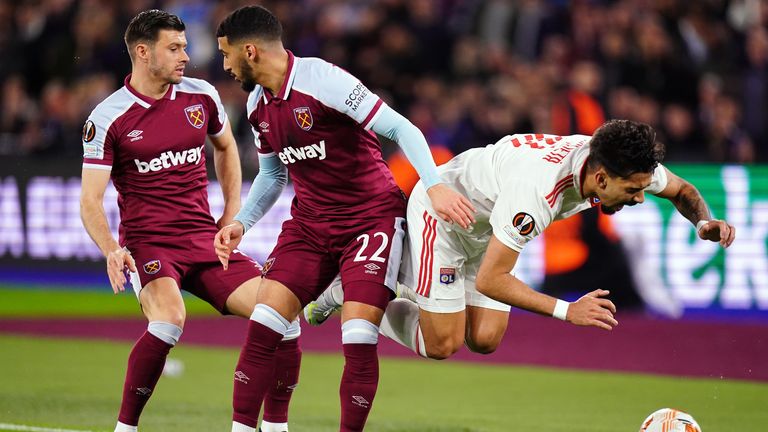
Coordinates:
76	384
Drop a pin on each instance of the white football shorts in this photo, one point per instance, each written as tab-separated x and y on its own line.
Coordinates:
436	264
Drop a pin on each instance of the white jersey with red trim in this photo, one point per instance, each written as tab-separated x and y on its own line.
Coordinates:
522	184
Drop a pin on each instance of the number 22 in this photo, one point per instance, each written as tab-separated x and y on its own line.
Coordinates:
375	257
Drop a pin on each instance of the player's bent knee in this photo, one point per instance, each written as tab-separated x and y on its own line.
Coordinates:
483	342
165	331
443	349
486	346
359	331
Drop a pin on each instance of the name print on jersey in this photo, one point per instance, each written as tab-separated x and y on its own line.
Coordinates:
558	155
170	159
291	155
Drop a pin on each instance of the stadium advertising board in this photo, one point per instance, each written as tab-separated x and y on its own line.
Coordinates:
40	227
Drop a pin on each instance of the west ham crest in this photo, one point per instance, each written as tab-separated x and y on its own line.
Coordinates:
303	117
195	115
152	267
267	265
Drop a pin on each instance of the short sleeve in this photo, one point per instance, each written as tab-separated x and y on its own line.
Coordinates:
658	180
98	141
218	121
519	215
345	93
258	128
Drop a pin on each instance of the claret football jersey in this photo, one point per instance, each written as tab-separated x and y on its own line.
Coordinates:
318	124
155	152
522	184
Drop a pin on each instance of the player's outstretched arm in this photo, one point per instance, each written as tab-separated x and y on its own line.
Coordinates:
226	161
94	183
495	281
449	205
689	202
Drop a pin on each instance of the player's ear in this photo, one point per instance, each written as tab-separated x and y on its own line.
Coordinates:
141	52
251	52
601	178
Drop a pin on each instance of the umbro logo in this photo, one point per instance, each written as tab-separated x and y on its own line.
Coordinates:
143	391
372	268
135	135
264	126
361	402
242	377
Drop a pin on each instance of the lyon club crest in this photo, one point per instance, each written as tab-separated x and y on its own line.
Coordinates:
195	115
303	117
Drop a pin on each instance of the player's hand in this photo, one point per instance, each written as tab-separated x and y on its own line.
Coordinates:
117	261
593	310
718	231
226	240
451	206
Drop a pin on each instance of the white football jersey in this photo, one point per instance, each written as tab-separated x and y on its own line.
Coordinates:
522	184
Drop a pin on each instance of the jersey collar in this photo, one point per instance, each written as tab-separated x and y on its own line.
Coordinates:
285	89
143	100
579	168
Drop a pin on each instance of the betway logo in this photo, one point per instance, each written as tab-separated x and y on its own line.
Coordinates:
291	155
170	159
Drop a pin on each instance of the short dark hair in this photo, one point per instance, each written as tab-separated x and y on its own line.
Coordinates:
250	21
146	26
625	147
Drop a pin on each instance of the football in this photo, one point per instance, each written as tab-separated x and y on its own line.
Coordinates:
669	420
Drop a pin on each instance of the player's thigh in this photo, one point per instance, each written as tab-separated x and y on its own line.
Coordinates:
487	318
443	333
243	299
300	263
485	329
432	264
280	298
161	300
231	291
370	253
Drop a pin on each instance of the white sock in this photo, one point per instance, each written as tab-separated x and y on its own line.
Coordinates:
273	427
122	427
401	324
239	427
406	293
333	296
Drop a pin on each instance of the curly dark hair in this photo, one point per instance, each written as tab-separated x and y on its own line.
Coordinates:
145	26
625	147
250	21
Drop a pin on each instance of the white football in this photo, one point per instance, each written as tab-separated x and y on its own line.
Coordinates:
670	420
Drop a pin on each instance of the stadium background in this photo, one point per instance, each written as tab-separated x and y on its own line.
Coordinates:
466	73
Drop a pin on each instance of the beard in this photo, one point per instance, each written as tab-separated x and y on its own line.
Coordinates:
609	210
157	70
247	81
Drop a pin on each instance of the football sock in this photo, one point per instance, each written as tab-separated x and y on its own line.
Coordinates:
361	373
401	324
239	427
145	365
284	382
256	366
122	427
273	427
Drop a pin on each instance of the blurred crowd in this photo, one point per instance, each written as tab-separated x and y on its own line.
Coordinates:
466	72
